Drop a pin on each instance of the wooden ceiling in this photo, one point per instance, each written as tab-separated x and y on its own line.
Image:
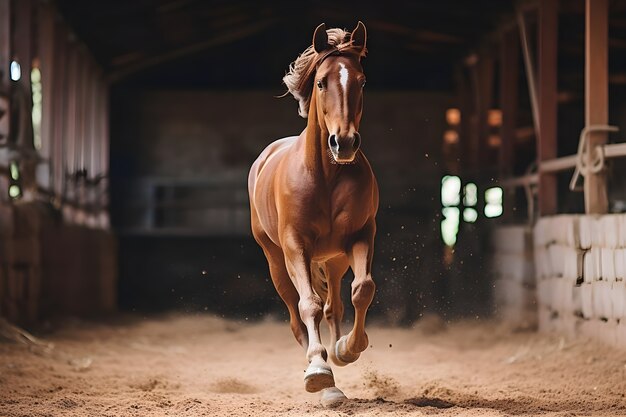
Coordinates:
230	44
245	43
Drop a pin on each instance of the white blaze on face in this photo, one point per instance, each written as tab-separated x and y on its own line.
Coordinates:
343	76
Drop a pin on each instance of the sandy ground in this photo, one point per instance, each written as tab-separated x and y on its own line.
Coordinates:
199	365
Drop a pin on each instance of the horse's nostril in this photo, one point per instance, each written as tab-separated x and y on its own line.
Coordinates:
332	141
357	141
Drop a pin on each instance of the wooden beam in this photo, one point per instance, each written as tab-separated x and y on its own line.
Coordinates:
509	78
221	39
596	98
547	100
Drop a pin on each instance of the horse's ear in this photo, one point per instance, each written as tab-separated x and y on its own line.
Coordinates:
320	38
359	35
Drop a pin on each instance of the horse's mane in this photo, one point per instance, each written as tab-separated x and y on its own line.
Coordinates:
299	76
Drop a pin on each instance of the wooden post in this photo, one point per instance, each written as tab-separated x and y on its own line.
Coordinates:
547	135
5	43
23	39
486	67
509	70
596	98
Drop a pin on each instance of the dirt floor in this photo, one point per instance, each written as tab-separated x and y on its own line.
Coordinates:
199	365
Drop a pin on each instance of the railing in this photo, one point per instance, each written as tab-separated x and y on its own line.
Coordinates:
578	162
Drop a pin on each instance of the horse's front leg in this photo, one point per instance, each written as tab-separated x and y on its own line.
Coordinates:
297	259
350	346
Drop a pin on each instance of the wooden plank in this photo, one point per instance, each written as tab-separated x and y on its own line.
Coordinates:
509	77
547	85
596	98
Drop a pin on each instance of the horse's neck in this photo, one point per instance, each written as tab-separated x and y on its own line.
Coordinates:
315	153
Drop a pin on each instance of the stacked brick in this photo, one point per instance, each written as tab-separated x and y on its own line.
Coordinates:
514	275
580	265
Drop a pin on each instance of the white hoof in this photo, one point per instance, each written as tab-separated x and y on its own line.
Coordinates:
318	376
332	397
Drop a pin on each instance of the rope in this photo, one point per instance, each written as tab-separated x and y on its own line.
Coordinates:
583	168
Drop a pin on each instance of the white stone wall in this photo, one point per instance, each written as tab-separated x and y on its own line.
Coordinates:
514	275
580	264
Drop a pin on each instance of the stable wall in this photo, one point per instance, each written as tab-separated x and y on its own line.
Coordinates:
51	268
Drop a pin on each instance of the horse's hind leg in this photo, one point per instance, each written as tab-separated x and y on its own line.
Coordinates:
284	287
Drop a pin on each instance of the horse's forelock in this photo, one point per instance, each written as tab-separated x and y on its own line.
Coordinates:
298	79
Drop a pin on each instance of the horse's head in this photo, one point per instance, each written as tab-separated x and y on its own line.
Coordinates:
338	89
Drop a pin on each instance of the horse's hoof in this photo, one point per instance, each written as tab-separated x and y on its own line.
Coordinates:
332	397
317	377
342	356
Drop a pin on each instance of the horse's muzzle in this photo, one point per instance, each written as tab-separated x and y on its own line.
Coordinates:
343	149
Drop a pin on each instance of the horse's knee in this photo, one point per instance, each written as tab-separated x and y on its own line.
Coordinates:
363	291
310	307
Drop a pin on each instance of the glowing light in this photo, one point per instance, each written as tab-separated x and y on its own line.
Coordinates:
470	215
14	191
470	194
15	171
35	79
494	117
493	200
494	141
450	225
450	137
16	71
450	190
453	117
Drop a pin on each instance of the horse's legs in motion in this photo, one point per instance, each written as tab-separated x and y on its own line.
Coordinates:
318	375
349	347
284	286
333	309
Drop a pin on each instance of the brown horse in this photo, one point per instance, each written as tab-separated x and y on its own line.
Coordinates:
314	199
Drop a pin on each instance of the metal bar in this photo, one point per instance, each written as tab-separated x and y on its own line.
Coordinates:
509	74
614	150
596	99
530	68
558	164
519	181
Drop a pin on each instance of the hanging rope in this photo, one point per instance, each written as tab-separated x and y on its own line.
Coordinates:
583	167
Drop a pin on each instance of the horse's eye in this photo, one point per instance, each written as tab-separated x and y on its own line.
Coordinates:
320	85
